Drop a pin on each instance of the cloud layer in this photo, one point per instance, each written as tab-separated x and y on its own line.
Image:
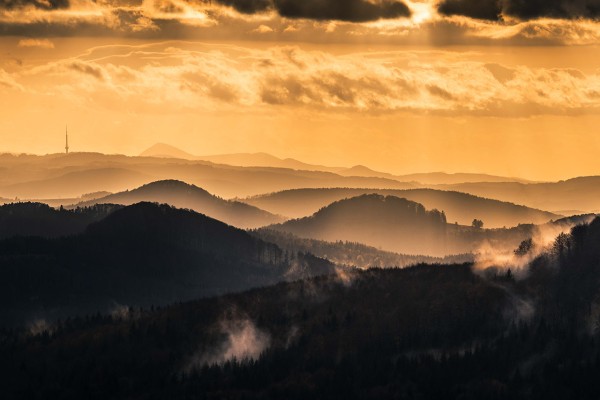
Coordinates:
398	22
522	9
178	77
41	4
341	10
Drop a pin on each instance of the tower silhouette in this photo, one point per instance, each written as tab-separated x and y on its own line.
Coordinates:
66	141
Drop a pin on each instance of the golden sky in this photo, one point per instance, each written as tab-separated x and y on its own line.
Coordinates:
457	85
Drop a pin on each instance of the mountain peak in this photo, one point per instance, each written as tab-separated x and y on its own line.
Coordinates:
172	185
164	150
183	195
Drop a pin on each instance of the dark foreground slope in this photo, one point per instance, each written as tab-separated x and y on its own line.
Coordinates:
143	254
426	332
321	338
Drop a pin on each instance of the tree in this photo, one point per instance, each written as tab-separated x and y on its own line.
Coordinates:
477	223
524	248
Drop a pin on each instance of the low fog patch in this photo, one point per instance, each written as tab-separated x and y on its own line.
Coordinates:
242	340
491	261
39	326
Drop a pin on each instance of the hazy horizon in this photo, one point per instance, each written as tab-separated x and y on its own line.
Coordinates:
310	161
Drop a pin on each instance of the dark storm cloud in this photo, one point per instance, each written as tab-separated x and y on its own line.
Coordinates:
480	9
248	6
344	10
522	9
41	4
531	9
341	10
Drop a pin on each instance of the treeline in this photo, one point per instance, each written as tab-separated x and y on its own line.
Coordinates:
352	253
38	219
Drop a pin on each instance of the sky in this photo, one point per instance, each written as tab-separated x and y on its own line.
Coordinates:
508	87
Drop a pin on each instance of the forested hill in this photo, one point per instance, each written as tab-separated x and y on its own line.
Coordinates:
182	195
383	221
425	332
459	207
142	254
37	219
322	338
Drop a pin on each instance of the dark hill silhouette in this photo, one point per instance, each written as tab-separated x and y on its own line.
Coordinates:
142	254
426	332
182	195
389	222
459	207
320	338
37	219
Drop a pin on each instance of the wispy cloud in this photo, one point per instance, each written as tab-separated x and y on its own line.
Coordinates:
41	43
181	77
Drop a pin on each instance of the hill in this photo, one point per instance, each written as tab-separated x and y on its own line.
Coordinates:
426	332
38	219
75	183
166	151
582	193
182	195
295	340
458	207
144	254
56	176
402	226
267	160
429	178
235	159
389	222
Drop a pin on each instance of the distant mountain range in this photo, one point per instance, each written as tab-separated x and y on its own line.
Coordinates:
237	159
144	254
268	160
57	176
60	176
182	195
459	207
76	183
581	193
